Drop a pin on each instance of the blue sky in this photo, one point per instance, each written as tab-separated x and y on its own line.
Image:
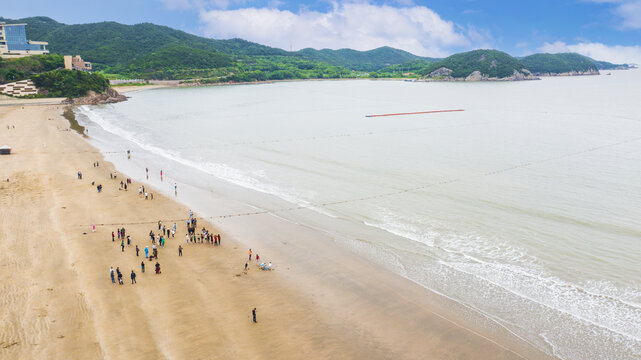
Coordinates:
604	29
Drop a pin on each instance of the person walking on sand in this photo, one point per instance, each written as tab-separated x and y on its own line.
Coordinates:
146	252
157	268
133	277
187	238
142	266
257	258
180	250
111	273
93	227
122	245
250	254
119	275
137	250
113	237
254	315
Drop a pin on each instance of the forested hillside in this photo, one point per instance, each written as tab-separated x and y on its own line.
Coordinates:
150	51
492	63
558	63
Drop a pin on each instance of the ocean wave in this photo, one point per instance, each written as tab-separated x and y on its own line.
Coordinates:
257	180
611	310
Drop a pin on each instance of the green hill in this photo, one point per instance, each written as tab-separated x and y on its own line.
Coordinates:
23	68
558	63
110	44
491	63
151	51
114	44
604	65
370	60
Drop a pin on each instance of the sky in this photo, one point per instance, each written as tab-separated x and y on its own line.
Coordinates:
607	30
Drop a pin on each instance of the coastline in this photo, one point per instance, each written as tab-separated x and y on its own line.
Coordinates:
366	312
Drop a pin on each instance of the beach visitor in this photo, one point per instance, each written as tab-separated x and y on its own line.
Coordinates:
254	314
112	237
137	250
157	268
119	275
122	245
128	240
142	266
146	252
250	254
133	277
187	238
111	273
180	250
257	258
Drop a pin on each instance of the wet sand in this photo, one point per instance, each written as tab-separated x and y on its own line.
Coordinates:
57	300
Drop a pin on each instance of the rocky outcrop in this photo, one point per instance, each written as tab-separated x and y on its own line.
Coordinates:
440	72
476	76
524	74
92	98
571	73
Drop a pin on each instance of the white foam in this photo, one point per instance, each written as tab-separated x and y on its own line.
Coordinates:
497	266
257	181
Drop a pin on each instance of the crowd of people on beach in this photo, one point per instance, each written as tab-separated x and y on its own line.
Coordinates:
159	239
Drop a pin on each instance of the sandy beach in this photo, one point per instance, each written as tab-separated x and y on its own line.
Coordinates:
57	300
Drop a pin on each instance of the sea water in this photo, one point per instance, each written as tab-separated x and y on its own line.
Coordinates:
525	207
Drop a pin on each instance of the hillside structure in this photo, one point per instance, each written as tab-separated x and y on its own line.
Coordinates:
19	88
76	63
14	43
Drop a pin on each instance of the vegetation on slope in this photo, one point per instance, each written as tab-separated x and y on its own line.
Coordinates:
370	60
493	63
23	68
558	63
151	51
176	58
68	83
604	65
412	67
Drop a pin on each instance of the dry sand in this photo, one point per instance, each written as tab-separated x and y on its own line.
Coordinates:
57	300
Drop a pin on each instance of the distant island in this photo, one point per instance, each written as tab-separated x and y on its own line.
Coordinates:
152	52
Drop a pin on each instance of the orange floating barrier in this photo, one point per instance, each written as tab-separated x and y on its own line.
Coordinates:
416	113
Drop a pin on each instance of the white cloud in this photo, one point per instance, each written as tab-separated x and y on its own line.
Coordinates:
616	54
630	13
356	25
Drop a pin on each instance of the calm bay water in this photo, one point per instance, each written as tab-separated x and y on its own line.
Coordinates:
525	207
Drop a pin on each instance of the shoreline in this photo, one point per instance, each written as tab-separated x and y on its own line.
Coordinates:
331	326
